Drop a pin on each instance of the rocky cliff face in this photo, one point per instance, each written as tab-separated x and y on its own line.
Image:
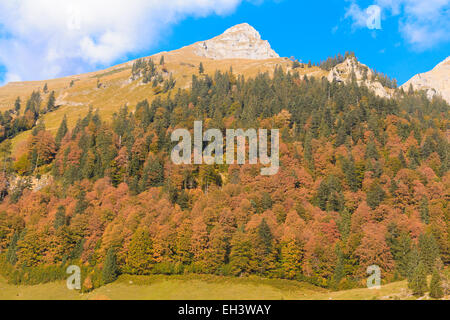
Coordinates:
436	81
363	74
239	42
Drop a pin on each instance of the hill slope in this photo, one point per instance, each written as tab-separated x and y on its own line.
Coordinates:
239	48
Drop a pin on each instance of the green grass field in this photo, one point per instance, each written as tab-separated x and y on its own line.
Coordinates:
195	287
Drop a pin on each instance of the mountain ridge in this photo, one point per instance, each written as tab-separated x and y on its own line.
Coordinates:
109	89
434	82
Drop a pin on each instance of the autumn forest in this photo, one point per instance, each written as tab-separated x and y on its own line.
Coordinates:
363	180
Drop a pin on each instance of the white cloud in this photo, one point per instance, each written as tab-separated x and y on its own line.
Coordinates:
423	24
358	15
50	38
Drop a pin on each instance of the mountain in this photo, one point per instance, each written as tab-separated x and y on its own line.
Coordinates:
363	75
239	42
239	47
436	81
358	175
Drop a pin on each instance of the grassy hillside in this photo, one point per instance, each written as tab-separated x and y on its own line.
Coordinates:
116	89
202	287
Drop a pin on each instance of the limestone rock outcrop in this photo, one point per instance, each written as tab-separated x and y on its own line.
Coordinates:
363	74
436	81
239	42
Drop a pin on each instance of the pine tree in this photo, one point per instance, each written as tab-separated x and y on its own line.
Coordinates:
51	102
436	290
429	251
60	217
418	281
17	105
339	270
161	61
375	195
45	88
110	271
240	254
11	255
265	235
403	254
62	130
423	209
201	69
371	150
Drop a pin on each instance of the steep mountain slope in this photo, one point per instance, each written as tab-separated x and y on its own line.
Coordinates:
436	81
239	48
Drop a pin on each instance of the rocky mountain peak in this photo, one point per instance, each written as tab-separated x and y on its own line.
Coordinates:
434	82
363	75
241	41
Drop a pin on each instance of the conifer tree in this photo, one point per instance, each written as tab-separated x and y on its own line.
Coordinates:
17	105
11	255
339	271
161	61
240	254
265	235
60	218
51	102
375	195
418	281
436	290
423	209
201	69
110	271
429	251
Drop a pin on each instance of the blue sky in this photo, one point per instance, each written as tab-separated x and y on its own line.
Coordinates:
413	39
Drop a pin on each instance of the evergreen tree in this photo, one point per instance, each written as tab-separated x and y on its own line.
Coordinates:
436	290
240	254
161	61
11	255
418	282
17	105
51	102
403	254
265	235
371	150
60	218
339	270
375	195
201	69
429	251
423	209
110	270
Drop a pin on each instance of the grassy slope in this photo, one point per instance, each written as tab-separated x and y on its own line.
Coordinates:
201	287
117	90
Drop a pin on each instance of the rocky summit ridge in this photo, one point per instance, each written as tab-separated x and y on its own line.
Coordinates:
434	82
241	41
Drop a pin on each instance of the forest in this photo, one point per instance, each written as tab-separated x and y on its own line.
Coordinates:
363	180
